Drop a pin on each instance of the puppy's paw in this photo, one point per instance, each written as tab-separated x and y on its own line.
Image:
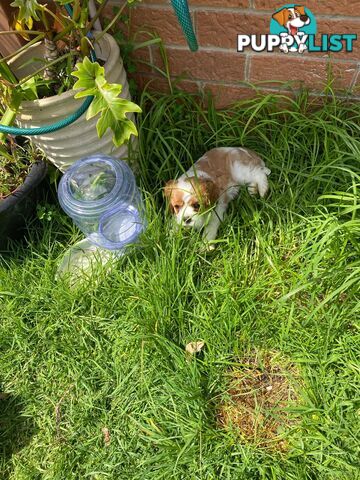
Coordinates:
253	189
207	248
210	247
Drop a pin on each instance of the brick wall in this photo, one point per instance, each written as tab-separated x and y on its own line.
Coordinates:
218	67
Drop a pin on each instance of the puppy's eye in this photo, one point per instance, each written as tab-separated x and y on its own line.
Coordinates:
176	208
196	207
290	16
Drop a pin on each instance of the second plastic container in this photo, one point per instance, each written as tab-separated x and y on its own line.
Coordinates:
100	194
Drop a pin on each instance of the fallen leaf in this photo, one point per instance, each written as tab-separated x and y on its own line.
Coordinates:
106	434
194	347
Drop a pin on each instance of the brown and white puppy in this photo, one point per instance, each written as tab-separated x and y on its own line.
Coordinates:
292	19
213	181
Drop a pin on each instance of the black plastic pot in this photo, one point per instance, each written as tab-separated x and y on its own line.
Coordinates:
17	208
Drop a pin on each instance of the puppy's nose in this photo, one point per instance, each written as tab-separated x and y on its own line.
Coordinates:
304	18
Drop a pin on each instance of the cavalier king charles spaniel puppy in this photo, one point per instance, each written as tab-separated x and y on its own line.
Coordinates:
200	197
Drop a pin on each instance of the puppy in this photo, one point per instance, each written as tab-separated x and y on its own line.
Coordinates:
292	19
200	197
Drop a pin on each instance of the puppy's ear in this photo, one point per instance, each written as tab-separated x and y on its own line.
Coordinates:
208	192
300	9
281	16
169	187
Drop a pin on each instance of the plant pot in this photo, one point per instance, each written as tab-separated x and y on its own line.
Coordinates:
18	207
79	139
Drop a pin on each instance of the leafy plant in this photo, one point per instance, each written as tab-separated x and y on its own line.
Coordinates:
66	45
15	163
107	103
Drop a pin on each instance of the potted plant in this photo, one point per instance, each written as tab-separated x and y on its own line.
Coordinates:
22	169
64	61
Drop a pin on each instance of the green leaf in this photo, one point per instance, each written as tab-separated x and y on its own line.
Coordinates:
107	103
124	130
16	98
64	2
28	10
87	72
6	73
29	89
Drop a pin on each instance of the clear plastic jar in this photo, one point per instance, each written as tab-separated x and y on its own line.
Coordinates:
100	194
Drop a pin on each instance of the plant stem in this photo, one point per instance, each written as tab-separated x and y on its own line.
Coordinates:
45	21
21	32
9	118
59	59
21	49
85	47
64	32
76	10
113	21
53	15
97	15
51	53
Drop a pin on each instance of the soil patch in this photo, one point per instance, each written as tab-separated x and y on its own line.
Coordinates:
261	391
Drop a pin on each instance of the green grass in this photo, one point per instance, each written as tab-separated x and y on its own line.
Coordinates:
110	353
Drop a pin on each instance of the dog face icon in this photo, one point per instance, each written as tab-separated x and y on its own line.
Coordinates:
292	19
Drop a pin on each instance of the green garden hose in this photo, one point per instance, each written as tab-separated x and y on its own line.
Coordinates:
48	128
182	12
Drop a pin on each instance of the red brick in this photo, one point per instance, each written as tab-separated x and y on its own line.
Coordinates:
299	71
150	82
144	2
204	65
221	3
154	2
225	95
220	29
356	83
142	60
162	21
156	83
194	3
317	7
330	26
343	75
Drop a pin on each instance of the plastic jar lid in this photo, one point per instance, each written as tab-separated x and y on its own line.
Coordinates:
94	184
119	227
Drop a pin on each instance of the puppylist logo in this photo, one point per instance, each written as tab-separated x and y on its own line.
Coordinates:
293	29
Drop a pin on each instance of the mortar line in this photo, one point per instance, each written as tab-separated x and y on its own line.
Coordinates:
200	8
247	68
202	83
306	58
243	84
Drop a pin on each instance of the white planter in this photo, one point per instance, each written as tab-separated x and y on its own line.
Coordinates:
79	139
